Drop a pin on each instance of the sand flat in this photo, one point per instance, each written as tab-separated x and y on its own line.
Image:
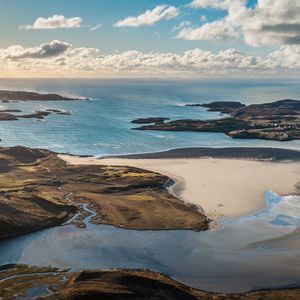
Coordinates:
221	187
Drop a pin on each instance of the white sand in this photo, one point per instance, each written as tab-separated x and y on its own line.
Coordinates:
221	187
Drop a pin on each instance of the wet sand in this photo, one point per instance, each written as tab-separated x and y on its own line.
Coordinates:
222	187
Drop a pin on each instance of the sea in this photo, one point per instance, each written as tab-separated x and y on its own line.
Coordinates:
102	125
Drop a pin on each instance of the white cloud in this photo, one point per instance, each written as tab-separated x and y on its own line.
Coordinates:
150	17
217	30
58	58
96	27
54	22
270	22
287	56
217	4
46	50
273	22
181	25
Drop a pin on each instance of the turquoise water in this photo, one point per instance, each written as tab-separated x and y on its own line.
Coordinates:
102	126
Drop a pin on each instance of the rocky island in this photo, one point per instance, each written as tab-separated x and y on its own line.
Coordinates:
278	120
7	96
10	114
113	284
39	190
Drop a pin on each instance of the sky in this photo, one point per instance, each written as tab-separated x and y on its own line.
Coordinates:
149	38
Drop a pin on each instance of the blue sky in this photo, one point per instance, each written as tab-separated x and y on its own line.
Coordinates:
14	13
190	25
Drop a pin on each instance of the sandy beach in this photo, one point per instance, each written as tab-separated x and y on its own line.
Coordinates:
226	188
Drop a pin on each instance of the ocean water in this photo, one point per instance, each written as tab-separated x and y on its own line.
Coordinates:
102	125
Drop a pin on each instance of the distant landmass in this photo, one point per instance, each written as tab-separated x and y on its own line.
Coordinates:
6	96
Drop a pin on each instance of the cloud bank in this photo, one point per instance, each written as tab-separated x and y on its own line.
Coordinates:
61	58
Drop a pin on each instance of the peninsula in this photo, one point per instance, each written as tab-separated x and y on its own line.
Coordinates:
38	190
278	120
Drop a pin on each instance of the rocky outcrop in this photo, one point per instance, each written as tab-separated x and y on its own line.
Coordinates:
10	111
221	106
278	120
8	117
59	112
8	114
149	120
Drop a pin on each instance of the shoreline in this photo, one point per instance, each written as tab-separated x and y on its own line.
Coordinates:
256	153
219	185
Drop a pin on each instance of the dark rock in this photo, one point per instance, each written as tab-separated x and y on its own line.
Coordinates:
7	117
221	106
59	112
53	110
149	120
220	125
36	115
194	104
10	111
65	113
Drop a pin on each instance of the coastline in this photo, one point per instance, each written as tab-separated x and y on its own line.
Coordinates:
204	180
257	153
